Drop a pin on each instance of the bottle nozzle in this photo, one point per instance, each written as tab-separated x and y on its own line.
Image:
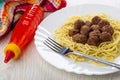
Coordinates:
9	55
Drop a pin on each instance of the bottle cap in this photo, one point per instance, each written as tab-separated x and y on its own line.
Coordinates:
11	51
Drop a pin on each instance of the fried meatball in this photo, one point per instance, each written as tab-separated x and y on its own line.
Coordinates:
105	36
88	23
73	32
78	24
96	20
80	38
85	30
93	40
95	27
94	33
108	28
103	23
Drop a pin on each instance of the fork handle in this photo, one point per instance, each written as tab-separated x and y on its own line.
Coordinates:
97	59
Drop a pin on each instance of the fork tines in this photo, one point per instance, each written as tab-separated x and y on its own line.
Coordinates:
53	45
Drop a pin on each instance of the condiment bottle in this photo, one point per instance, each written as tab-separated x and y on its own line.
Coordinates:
23	32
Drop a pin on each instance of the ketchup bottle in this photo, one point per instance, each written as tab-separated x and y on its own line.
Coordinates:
23	32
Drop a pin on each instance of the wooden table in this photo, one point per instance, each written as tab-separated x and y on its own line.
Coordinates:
31	66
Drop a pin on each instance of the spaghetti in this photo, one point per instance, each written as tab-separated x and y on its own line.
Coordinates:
106	50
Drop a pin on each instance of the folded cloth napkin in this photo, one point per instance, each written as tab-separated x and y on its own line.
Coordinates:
13	10
48	5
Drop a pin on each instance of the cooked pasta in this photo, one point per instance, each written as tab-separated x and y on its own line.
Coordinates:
106	50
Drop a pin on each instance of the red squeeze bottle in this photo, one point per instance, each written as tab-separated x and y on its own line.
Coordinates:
23	32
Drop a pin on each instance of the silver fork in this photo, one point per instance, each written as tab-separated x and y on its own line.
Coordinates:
55	46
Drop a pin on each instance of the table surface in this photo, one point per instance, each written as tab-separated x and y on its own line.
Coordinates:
31	66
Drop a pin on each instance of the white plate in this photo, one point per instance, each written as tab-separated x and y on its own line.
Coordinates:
54	21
